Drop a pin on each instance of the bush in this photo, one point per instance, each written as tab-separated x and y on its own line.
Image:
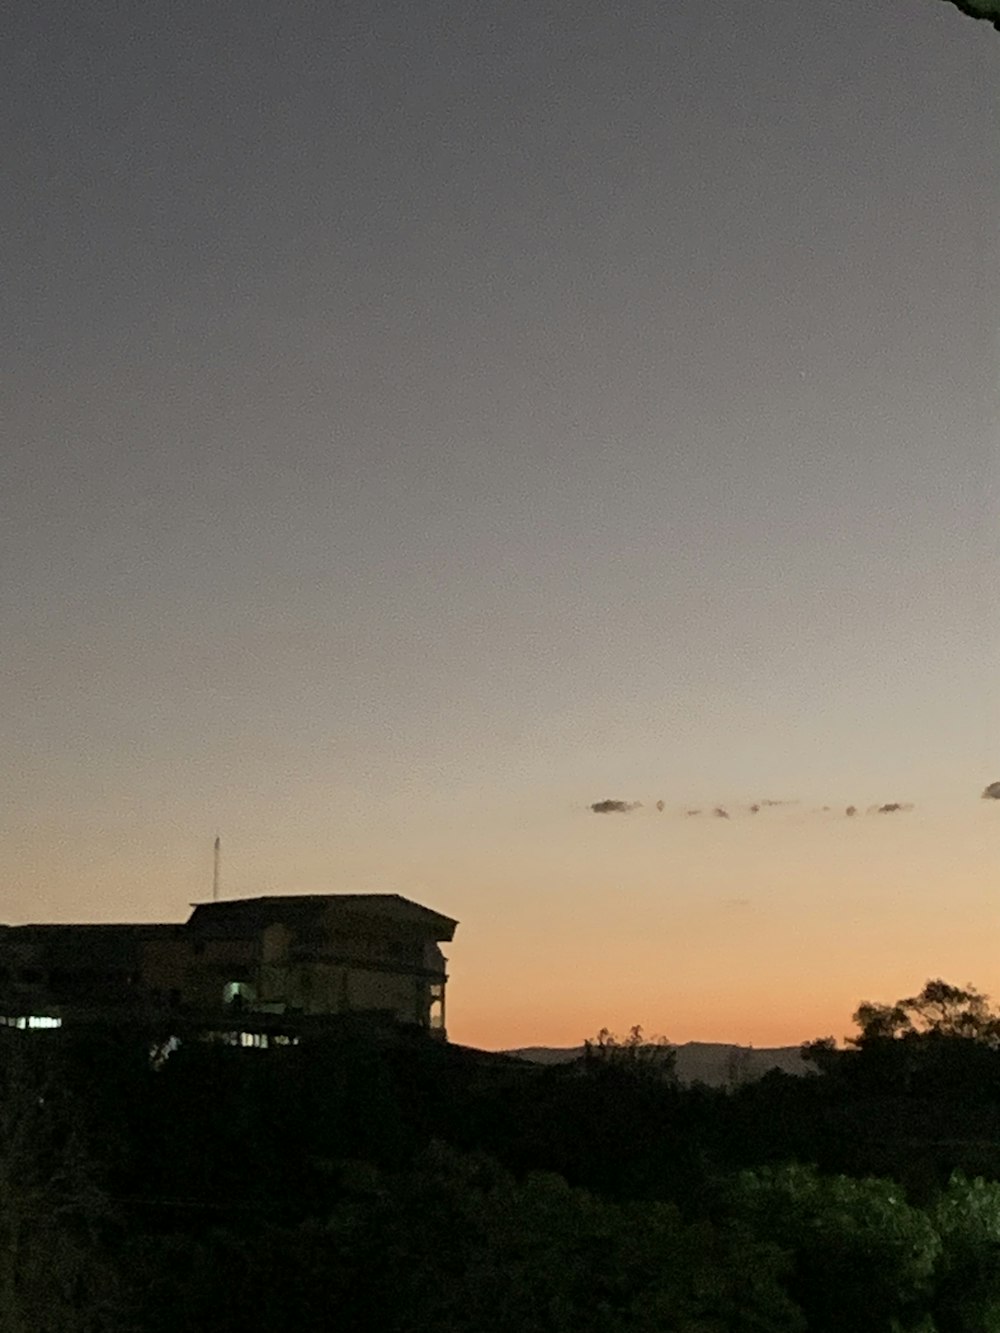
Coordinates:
864	1259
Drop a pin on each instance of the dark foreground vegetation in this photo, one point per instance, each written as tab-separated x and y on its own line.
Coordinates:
357	1182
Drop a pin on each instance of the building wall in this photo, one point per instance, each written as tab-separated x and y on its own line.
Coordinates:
334	988
335	962
399	994
347	962
214	964
163	965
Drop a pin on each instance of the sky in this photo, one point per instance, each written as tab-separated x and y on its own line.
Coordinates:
423	421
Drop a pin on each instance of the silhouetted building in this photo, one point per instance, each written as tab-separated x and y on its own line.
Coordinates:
290	958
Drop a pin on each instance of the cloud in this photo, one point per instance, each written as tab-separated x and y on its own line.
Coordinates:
737	904
992	792
613	806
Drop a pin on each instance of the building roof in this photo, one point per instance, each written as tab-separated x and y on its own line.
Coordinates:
233	915
94	944
49	929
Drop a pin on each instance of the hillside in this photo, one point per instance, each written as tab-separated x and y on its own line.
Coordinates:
716	1063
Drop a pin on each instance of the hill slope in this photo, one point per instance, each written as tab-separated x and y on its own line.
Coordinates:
715	1063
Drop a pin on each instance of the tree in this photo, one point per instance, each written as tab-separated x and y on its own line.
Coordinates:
647	1060
864	1259
459	1245
940	1010
879	1022
967	1218
53	1209
823	1053
953	1011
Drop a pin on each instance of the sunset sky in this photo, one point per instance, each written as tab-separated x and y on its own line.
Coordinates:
421	421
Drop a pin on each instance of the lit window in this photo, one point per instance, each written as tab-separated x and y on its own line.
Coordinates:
435	1008
160	1052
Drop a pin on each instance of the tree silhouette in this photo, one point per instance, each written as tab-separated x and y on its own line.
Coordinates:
940	1010
53	1208
635	1056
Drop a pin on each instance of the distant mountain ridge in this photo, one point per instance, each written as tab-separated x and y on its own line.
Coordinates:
717	1064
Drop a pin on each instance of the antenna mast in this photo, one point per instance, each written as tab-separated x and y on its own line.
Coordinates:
215	870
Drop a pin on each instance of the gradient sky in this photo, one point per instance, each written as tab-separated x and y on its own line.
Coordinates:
422	420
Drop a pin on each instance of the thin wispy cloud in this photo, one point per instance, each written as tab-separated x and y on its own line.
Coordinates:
614	806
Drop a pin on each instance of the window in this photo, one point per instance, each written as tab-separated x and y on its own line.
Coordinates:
160	1052
435	1011
240	994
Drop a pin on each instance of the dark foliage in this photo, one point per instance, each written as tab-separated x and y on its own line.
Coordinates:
405	1184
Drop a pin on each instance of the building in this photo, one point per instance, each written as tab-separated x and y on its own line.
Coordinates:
249	962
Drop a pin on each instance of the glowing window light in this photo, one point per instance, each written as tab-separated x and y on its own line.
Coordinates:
33	1021
160	1052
